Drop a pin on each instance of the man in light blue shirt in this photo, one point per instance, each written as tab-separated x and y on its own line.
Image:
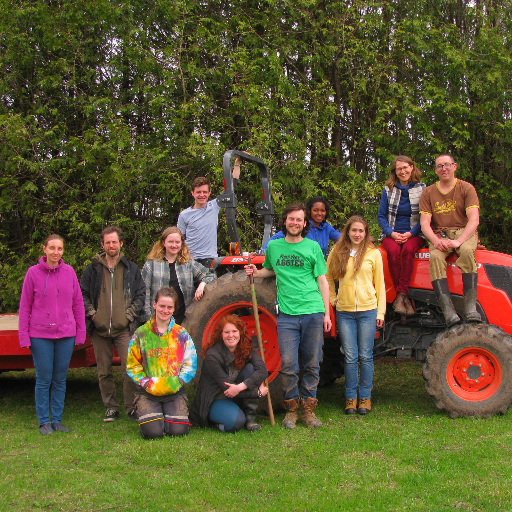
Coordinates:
199	222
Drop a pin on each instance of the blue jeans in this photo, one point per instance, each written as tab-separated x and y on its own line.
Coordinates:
300	336
51	361
357	334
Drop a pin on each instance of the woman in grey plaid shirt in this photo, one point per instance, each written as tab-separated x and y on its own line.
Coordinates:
169	263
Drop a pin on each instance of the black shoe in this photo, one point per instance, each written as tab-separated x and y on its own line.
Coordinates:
46	429
132	415
111	415
59	427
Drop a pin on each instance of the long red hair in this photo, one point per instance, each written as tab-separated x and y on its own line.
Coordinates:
244	347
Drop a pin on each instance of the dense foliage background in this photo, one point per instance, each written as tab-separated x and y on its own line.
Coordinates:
109	109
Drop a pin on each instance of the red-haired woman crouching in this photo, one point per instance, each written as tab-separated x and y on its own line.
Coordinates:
231	380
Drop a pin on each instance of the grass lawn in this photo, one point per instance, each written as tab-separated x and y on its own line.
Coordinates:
404	456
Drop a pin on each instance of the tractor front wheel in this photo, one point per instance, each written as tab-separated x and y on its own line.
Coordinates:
231	295
468	371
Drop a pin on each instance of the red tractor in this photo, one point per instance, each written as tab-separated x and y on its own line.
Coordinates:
467	368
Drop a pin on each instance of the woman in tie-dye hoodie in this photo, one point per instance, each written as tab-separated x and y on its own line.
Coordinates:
161	359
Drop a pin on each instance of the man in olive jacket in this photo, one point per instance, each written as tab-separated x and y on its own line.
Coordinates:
114	293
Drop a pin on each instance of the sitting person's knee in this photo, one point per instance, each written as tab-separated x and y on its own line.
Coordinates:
152	430
237	425
177	429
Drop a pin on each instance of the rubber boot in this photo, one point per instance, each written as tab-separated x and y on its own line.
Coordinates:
409	310
250	405
292	413
308	415
444	299
398	304
469	282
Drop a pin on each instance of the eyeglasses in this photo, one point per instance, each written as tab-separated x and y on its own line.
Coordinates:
400	169
440	167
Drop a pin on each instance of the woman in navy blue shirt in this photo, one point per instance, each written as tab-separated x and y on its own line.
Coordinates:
399	220
319	229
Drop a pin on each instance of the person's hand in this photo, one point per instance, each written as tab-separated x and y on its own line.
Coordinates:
199	292
238	160
263	389
251	269
399	238
327	322
441	244
380	324
233	389
453	244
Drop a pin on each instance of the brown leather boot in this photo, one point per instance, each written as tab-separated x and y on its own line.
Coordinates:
351	406
308	416
292	413
409	310
365	406
398	304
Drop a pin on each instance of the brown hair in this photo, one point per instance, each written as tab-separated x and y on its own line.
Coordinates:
158	250
446	154
53	236
293	208
200	181
393	179
244	346
341	250
112	229
166	291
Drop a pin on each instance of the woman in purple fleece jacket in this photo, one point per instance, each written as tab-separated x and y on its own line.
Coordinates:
51	321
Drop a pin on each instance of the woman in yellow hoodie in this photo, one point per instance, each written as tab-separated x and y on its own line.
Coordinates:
356	265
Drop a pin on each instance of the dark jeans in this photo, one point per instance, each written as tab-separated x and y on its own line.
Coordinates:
300	336
51	361
206	262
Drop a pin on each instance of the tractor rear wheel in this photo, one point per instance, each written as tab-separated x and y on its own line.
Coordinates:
231	295
468	371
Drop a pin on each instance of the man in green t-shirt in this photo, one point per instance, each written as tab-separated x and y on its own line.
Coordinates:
450	214
303	299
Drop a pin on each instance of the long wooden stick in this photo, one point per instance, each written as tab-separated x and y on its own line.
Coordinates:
260	341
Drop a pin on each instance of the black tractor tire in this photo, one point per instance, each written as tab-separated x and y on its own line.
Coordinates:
468	371
231	294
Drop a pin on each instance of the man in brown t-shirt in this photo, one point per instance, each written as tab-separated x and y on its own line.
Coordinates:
450	214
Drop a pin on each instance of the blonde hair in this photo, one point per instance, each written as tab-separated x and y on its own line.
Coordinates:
158	250
341	250
393	179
